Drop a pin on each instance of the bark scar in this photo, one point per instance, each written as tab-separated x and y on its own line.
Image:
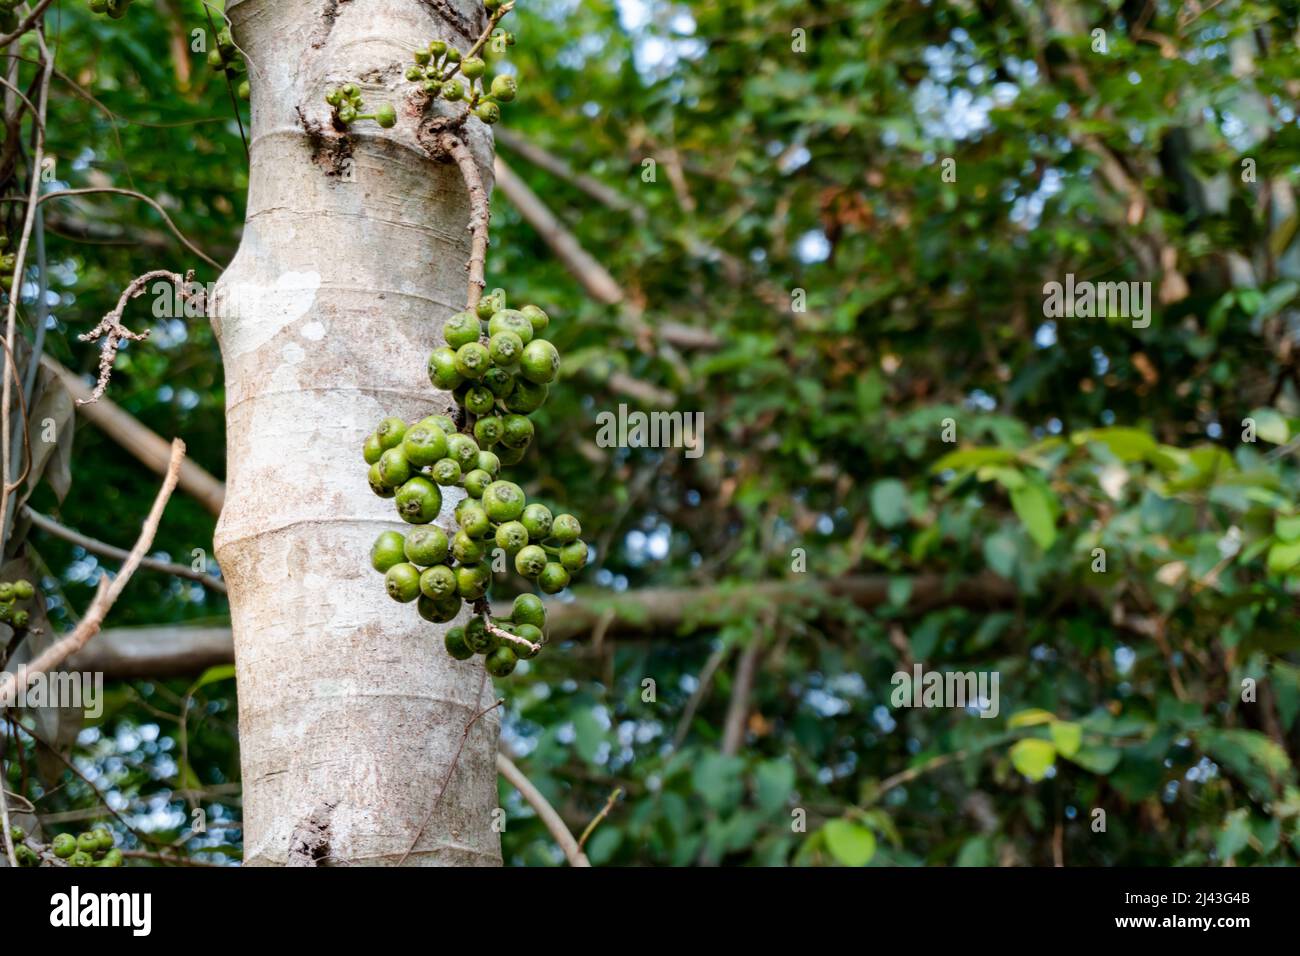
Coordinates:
309	844
330	149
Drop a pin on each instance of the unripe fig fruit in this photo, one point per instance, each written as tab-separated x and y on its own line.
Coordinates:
87	842
499	381
516	431
479	400
81	858
402	582
528	609
539	319
511	320
565	528
489	113
464	450
452	91
503	500
529	633
461	329
501	662
437	48
446	472
472	360
510	456
454	641
6	591
390	432
23	589
442	369
511	537
112	858
473	67
504	348
424	444
394	469
371	450
504	87
20	619
530	561
540	362
537	521
419	501
442	421
467	550
489	462
438	610
527	397
438	582
422	57
472	580
477	637
487	431
553	578
425	546
453	55
473	520
377	483
574	556
475	482
386	116
414	73
64	845
389	549
490	303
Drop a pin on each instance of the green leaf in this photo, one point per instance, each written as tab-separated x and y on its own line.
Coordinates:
889	502
973	458
1126	444
1235	835
588	734
1271	426
850	843
717	778
1030	718
212	675
1033	757
1287	527
1099	759
1035	506
1283	556
773	782
1066	737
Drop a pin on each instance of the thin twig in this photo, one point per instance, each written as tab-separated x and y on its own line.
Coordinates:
105	596
27	23
545	812
50	526
451	769
115	333
604	812
64	193
4	822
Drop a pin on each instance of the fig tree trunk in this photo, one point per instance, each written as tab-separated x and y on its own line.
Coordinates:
354	250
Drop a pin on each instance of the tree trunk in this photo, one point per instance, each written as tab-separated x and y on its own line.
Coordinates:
354	251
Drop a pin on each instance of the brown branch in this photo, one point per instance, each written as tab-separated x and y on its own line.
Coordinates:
26	24
545	812
604	812
105	595
733	734
479	213
114	333
64	193
50	526
646	614
146	445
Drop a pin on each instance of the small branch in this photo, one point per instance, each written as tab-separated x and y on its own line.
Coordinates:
451	769
105	595
702	685
165	858
604	812
481	42
27	23
64	193
114	333
733	733
50	526
4	822
545	812
479	215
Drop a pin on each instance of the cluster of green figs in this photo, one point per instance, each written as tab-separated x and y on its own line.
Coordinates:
499	370
93	847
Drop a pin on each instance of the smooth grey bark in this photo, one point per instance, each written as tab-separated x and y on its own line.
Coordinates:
354	251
